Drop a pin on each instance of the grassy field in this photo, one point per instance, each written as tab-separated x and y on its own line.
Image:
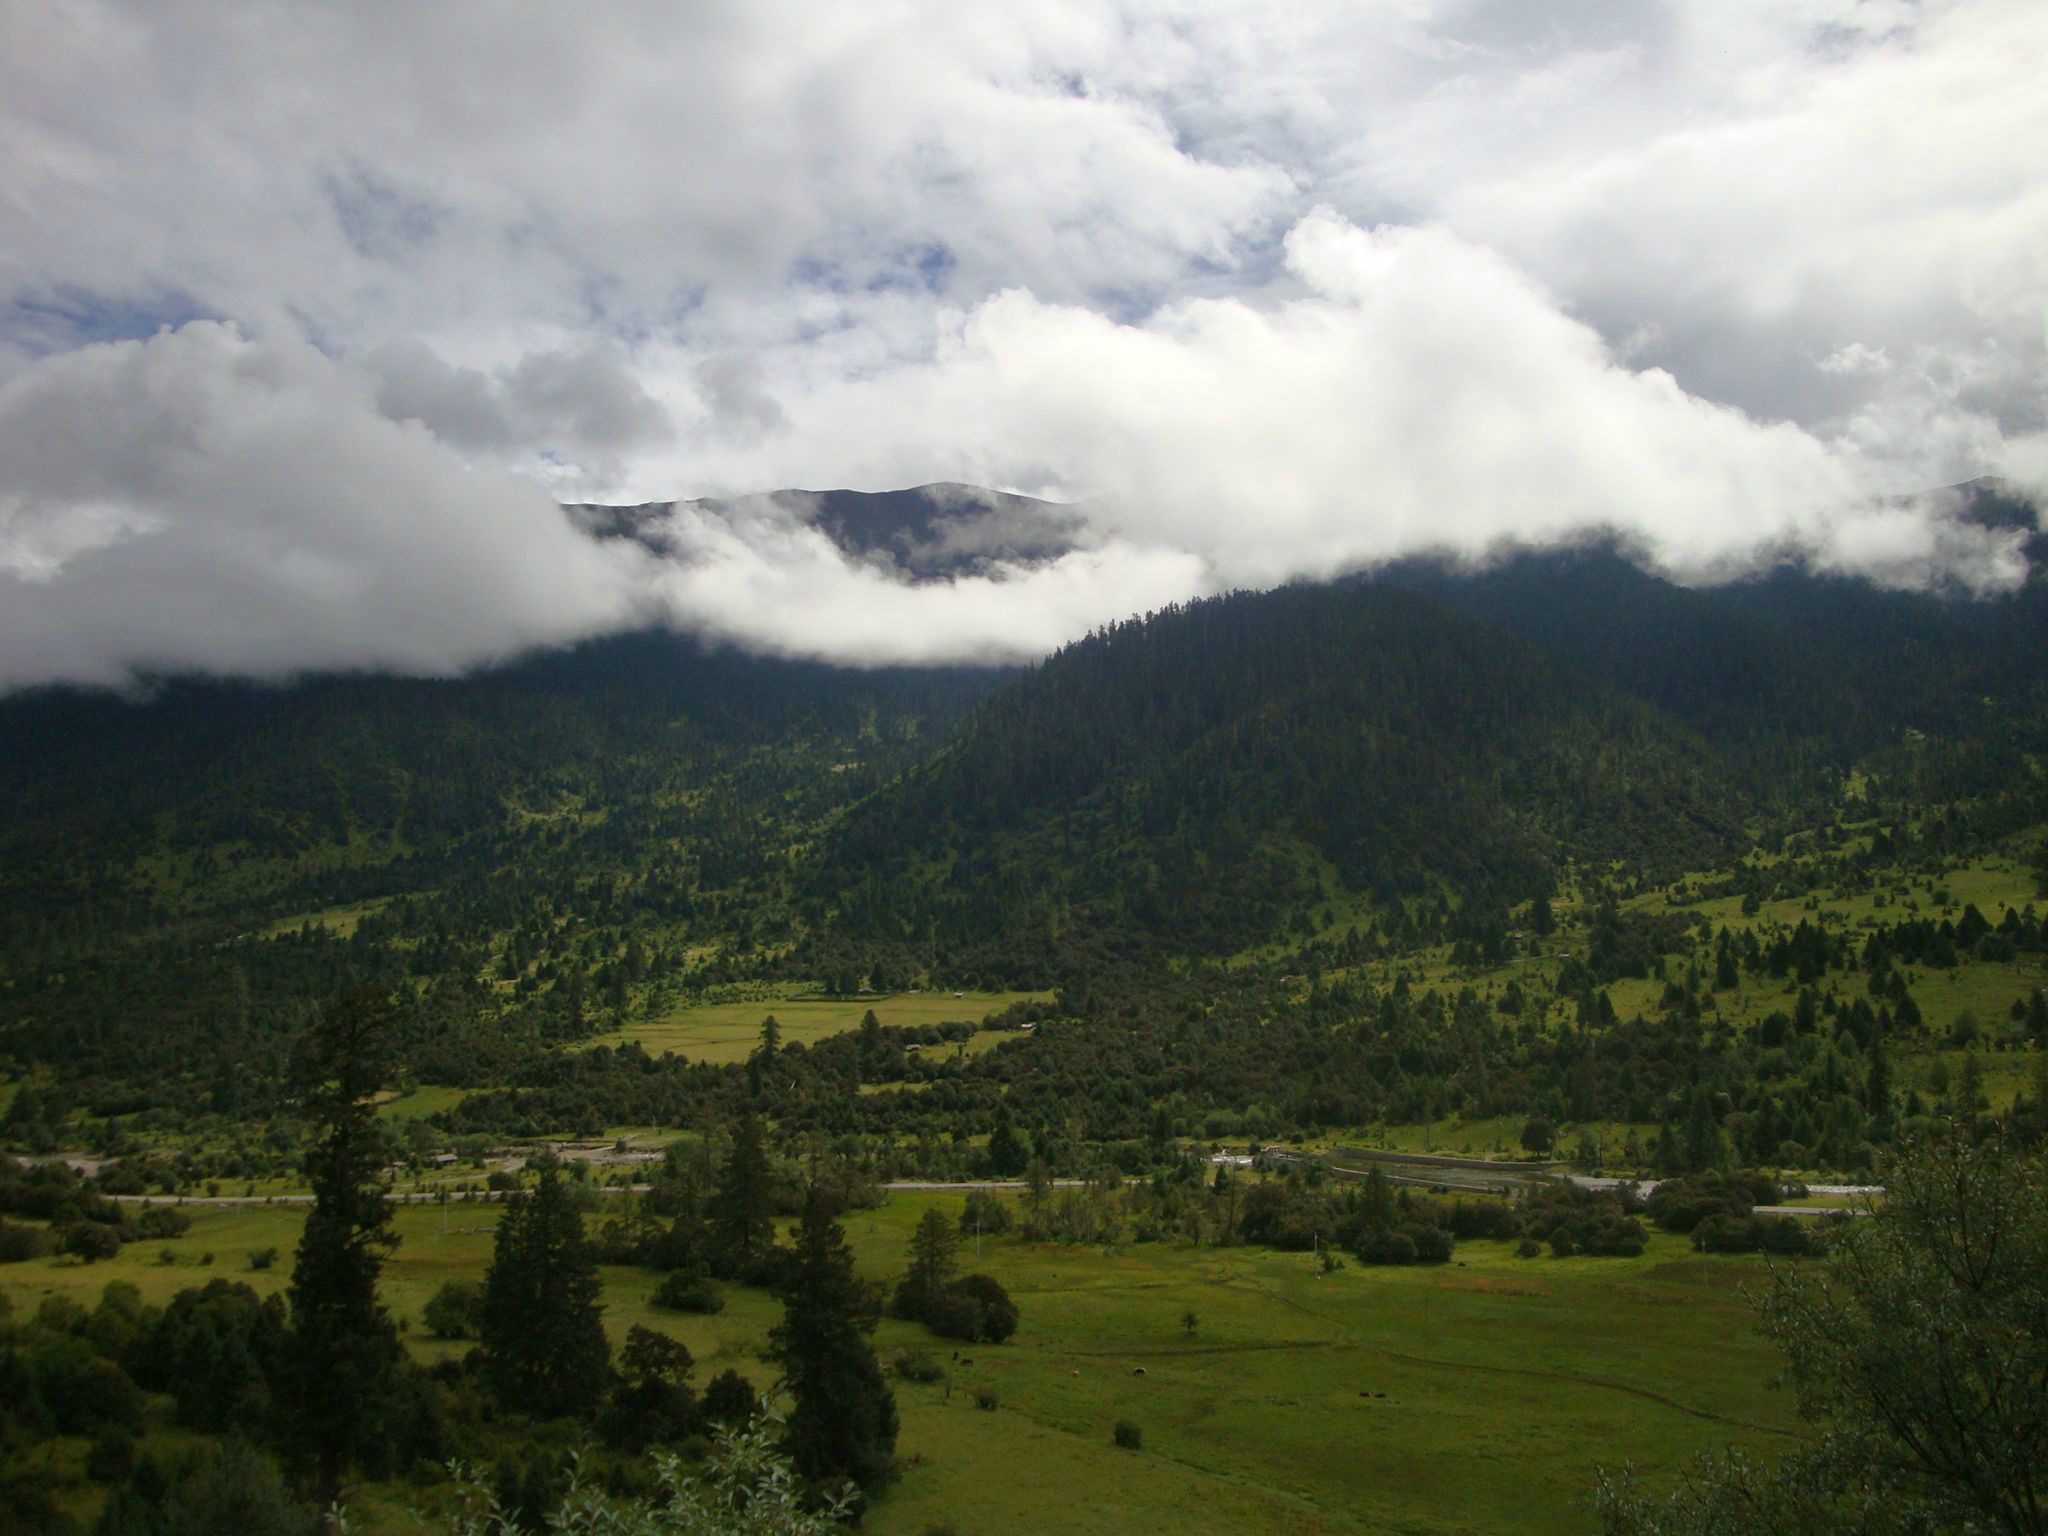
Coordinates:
428	1099
1504	1380
729	1031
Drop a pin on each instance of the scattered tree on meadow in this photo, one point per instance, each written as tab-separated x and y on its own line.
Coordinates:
652	1402
742	1213
453	1311
984	1215
932	1266
344	1368
842	1422
541	1323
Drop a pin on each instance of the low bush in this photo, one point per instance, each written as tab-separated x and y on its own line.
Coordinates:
681	1291
916	1365
1787	1236
156	1222
90	1240
730	1399
454	1311
20	1241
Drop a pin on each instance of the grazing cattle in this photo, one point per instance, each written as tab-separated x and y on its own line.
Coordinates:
1138	1371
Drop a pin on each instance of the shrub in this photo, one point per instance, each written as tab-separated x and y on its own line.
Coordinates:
984	1214
995	1313
681	1291
1679	1205
19	1241
90	1241
1483	1218
985	1399
1528	1248
263	1258
157	1222
916	1365
454	1310
1784	1235
218	1349
953	1315
730	1399
1432	1245
112	1455
1385	1247
1127	1435
83	1391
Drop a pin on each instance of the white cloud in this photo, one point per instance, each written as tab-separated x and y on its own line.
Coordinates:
1725	277
203	502
1420	394
581	408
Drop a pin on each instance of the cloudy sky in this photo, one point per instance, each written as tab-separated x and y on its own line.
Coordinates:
310	315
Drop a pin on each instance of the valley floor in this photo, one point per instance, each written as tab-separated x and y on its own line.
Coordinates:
1473	1397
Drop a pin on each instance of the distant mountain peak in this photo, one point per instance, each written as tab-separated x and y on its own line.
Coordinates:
922	533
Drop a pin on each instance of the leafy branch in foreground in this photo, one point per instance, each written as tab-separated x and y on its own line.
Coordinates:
1919	1353
747	1488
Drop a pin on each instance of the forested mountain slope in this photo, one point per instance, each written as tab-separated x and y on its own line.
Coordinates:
1831	662
566	838
1195	777
184	878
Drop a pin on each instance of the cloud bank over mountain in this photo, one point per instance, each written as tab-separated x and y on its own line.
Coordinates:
312	318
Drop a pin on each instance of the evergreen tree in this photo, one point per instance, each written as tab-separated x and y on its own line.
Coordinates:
543	1344
1007	1153
842	1422
932	1266
742	1212
761	1063
343	1360
1877	1088
1377	1205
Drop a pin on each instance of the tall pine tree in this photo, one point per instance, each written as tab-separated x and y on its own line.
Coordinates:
350	1399
742	1210
541	1323
842	1423
932	1266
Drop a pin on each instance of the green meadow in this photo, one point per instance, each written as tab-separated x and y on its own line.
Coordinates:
1472	1397
728	1031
